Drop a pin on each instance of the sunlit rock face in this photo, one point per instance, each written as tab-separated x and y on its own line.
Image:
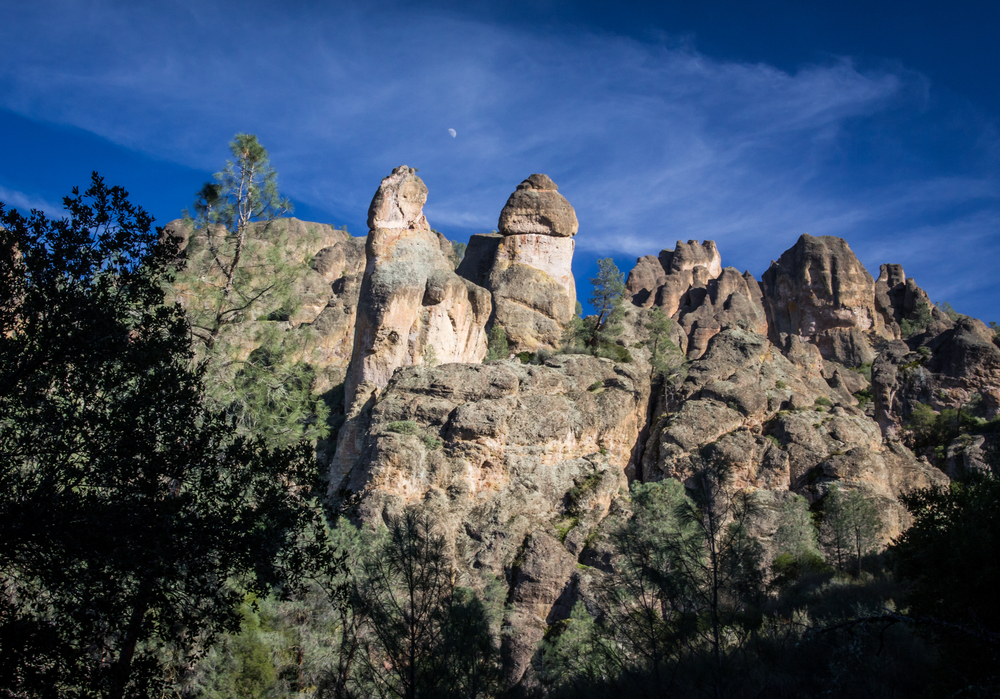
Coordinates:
689	284
517	465
412	307
819	291
780	423
528	267
537	207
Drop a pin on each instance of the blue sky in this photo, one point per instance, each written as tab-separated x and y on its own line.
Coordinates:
746	123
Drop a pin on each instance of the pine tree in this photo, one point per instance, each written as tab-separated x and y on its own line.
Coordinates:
851	525
606	297
663	353
236	283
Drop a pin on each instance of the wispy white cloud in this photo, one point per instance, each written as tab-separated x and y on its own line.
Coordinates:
651	142
26	202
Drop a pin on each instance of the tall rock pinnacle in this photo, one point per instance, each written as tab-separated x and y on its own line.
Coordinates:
528	268
413	308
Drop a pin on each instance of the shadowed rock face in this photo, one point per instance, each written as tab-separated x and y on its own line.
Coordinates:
819	291
411	305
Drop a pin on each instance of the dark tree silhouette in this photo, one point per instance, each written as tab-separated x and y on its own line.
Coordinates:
130	518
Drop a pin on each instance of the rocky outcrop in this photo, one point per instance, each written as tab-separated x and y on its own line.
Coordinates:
537	208
528	267
665	279
819	291
412	307
517	463
692	288
318	268
957	368
779	426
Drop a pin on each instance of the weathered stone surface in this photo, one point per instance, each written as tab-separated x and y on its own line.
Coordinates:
534	294
688	265
724	302
779	425
690	286
819	291
645	279
411	304
953	365
528	270
536	207
520	464
341	267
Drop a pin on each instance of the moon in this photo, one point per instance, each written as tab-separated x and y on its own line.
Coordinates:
452	132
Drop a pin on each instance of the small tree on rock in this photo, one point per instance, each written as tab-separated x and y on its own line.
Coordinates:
497	347
663	353
237	287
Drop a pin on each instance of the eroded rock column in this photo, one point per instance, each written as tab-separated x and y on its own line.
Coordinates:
412	308
528	267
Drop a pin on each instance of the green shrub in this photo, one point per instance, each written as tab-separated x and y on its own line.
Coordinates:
865	370
430	356
614	352
919	323
403	427
864	397
497	347
824	402
431	442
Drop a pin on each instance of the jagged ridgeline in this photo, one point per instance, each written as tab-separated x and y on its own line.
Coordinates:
815	378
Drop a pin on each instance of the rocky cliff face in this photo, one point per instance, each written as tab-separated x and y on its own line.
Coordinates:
322	268
819	291
528	267
689	284
412	308
797	382
517	463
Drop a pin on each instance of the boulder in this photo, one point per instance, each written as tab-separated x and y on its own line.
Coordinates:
412	307
536	207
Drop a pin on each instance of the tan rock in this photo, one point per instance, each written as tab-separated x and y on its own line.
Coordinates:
411	304
691	287
536	207
520	464
528	270
819	291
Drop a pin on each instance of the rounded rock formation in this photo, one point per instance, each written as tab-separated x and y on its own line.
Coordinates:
529	268
537	207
